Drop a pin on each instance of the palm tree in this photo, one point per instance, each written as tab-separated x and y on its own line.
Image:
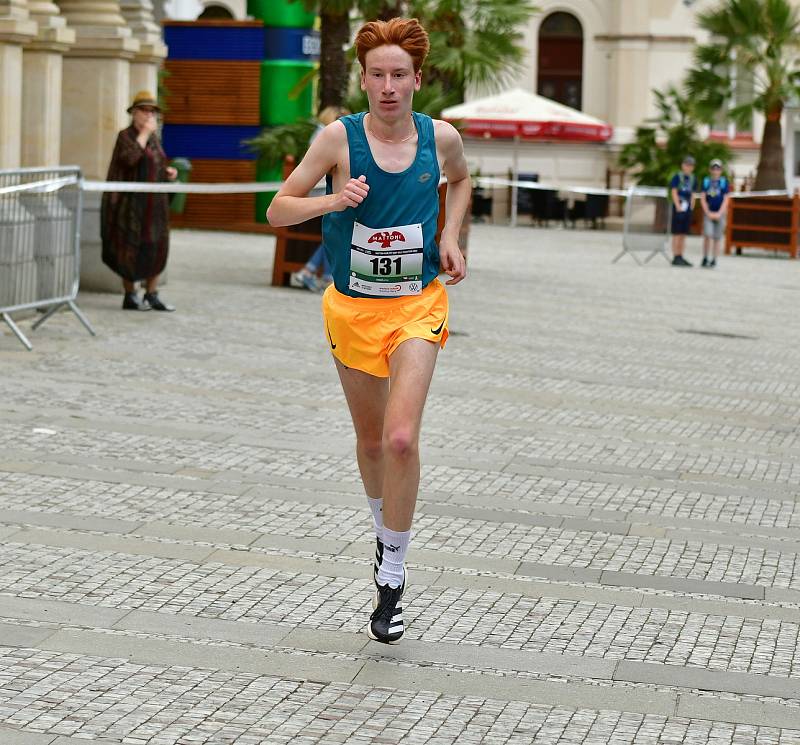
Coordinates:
473	42
762	38
657	149
334	67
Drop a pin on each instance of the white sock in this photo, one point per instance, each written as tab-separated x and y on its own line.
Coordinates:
395	548
376	507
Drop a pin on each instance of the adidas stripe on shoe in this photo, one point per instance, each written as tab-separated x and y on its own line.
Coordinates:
386	622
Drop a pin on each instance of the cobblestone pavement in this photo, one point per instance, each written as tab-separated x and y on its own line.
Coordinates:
606	544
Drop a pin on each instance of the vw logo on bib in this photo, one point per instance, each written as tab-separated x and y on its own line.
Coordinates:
386	262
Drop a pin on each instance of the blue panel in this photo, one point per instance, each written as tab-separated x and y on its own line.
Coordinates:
215	42
292	44
208	141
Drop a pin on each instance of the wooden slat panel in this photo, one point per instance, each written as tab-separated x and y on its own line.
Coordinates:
770	223
223	171
219	210
212	92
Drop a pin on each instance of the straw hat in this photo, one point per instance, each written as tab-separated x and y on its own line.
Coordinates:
144	98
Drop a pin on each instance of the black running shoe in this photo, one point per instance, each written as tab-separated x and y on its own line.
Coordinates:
705	261
386	621
712	263
680	261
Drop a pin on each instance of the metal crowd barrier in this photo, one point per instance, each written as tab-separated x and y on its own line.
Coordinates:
40	222
647	223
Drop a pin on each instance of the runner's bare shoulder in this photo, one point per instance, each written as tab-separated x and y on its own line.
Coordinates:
449	147
445	132
329	149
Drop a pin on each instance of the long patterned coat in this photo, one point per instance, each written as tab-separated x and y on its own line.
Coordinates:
135	227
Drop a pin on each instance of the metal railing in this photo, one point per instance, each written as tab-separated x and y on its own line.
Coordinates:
647	223
40	222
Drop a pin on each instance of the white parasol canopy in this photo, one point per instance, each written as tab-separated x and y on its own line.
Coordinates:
519	115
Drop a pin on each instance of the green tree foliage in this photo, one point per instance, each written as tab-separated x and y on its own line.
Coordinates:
473	42
657	151
762	38
274	143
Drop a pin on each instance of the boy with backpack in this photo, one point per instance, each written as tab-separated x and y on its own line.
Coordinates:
714	200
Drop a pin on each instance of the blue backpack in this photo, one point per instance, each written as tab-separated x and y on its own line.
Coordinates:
723	183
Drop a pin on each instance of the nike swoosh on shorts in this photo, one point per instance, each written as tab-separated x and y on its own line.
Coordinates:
438	331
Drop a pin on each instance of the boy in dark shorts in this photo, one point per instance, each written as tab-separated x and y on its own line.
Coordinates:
681	190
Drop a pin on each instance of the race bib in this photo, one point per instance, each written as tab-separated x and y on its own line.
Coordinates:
386	262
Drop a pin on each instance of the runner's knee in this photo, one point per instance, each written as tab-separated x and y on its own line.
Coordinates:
371	447
400	442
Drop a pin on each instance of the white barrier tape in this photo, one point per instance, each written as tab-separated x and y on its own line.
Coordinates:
641	191
46	185
644	190
178	187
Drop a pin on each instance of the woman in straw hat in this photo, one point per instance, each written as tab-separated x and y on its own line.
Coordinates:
135	226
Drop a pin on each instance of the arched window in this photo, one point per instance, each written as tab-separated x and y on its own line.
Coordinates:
560	69
215	12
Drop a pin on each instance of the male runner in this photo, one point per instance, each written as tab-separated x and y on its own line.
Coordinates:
386	313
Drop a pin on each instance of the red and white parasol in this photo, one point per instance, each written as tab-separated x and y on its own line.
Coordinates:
520	114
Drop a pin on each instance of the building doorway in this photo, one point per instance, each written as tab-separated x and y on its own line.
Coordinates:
560	67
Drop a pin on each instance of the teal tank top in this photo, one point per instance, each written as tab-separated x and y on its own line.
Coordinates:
407	198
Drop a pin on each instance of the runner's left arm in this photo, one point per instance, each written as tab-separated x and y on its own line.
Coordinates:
459	188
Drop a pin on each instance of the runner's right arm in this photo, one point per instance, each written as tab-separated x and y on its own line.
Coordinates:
292	204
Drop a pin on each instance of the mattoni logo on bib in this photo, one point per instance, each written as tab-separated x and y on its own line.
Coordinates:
385	238
386	260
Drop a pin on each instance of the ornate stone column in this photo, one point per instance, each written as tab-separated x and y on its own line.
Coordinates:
96	83
152	51
41	91
96	93
16	28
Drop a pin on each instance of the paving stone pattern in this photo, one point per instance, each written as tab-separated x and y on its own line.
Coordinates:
185	552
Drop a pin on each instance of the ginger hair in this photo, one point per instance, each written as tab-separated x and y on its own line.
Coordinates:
406	33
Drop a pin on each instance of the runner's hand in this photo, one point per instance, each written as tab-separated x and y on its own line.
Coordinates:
354	193
452	261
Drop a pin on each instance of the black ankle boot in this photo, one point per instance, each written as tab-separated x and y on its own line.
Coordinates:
155	302
131	302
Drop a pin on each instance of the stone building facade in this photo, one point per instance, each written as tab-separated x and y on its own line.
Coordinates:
605	57
67	72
